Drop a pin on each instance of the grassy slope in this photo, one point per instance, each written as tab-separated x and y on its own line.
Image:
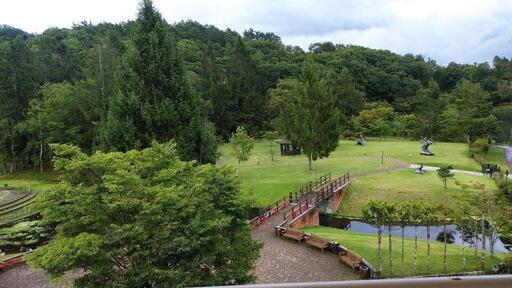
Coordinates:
406	185
366	246
454	154
270	181
497	155
38	182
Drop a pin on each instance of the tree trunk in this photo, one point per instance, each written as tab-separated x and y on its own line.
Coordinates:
444	248
415	247
475	236
390	254
482	259
237	166
41	151
310	162
462	244
403	250
428	248
379	248
13	160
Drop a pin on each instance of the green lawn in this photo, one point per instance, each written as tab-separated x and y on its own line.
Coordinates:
268	181
29	179
38	182
366	246
497	155
8	256
455	154
272	180
406	185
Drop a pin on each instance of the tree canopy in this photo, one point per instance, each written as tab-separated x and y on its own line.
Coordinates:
145	218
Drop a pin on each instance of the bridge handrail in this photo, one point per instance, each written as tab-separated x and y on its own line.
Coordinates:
283	203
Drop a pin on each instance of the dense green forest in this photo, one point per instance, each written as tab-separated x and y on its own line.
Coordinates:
115	87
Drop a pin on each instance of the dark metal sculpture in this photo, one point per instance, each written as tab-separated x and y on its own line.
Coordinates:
425	143
361	141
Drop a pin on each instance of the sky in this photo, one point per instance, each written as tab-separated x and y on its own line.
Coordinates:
463	31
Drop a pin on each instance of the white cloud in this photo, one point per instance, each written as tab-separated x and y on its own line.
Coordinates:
446	30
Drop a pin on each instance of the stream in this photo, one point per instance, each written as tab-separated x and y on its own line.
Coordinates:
436	232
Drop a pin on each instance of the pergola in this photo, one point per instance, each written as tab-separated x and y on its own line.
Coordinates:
288	148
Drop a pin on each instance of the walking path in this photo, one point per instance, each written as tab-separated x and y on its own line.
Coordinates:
508	154
287	261
433	168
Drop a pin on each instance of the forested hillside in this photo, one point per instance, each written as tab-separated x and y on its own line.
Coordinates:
121	86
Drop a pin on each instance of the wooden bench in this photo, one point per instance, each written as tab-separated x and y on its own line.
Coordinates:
293	234
352	259
317	242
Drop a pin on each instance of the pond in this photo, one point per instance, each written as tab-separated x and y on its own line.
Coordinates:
436	232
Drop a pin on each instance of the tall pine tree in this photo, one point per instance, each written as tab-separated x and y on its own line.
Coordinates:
155	101
311	115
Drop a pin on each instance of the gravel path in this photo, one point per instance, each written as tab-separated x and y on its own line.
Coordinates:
287	261
24	277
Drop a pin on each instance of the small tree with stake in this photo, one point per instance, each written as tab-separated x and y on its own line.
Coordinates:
445	174
271	137
242	146
374	212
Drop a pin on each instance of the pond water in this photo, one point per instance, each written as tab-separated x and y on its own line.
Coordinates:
436	232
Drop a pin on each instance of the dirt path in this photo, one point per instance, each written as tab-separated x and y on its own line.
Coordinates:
287	261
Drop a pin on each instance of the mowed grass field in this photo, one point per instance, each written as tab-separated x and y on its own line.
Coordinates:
366	246
265	181
405	185
270	181
36	182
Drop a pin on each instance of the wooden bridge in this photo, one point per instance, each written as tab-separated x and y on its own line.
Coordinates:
304	201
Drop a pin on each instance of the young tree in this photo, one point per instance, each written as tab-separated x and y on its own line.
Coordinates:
460	216
446	216
374	213
416	216
312	115
430	217
145	219
445	174
241	145
404	213
390	218
271	137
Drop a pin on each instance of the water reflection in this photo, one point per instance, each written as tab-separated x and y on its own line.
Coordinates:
453	235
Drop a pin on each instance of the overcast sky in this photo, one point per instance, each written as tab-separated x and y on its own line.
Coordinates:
445	30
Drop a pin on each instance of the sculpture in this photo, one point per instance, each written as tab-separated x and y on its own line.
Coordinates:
420	169
361	141
425	142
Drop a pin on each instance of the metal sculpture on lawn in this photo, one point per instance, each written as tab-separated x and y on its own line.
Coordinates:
361	141
425	143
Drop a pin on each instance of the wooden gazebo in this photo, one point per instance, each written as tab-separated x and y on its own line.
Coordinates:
288	148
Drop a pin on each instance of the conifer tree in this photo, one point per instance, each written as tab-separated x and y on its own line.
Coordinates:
311	114
155	101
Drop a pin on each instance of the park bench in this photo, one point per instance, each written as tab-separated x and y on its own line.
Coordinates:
352	259
293	234
317	242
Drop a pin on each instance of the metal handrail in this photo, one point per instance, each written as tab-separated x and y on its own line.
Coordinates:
485	281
